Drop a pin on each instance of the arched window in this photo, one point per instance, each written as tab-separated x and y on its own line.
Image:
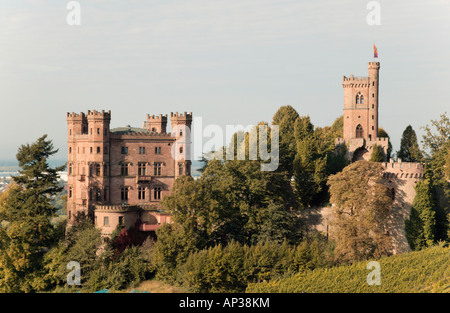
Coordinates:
361	99
357	99
359	131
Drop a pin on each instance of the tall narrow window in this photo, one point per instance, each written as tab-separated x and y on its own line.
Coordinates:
359	131
120	220
157	167
105	221
141	169
70	192
157	193
124	150
98	150
97	169
357	99
124	169
124	193
180	168
70	169
141	193
361	99
141	150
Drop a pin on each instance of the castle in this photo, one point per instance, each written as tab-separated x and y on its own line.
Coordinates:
119	176
360	132
361	115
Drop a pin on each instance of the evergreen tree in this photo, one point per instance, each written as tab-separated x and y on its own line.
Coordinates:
383	134
377	154
421	226
409	148
27	210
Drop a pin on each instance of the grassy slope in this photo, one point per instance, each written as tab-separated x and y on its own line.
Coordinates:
423	271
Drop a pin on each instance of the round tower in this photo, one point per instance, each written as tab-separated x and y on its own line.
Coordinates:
374	68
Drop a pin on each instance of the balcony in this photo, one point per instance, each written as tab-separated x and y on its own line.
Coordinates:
143	179
149	227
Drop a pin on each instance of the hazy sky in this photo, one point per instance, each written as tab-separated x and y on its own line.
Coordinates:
228	61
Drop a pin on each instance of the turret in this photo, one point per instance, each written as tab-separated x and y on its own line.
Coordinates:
157	123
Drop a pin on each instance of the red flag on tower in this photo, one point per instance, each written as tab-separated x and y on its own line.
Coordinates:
375	51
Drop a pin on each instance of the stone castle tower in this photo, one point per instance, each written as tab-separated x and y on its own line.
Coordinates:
361	115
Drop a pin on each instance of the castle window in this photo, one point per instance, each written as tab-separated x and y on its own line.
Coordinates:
105	221
91	131
70	131
359	131
98	195
181	132
141	193
124	169
157	193
141	150
373	83
92	150
361	99
373	127
180	168
98	131
157	150
70	192
120	220
157	168
373	117
98	150
141	169
181	149
373	95
373	106
357	98
70	149
124	150
124	193
70	169
97	169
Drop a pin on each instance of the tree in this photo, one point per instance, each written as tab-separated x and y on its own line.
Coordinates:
285	118
361	206
377	154
314	147
409	148
383	134
27	211
421	226
437	139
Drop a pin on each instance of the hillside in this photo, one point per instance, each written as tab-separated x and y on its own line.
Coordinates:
424	271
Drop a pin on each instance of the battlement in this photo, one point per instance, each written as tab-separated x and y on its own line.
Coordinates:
182	116
361	79
74	115
374	65
403	170
159	118
96	114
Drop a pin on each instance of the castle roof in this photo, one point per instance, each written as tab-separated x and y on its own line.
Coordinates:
130	130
